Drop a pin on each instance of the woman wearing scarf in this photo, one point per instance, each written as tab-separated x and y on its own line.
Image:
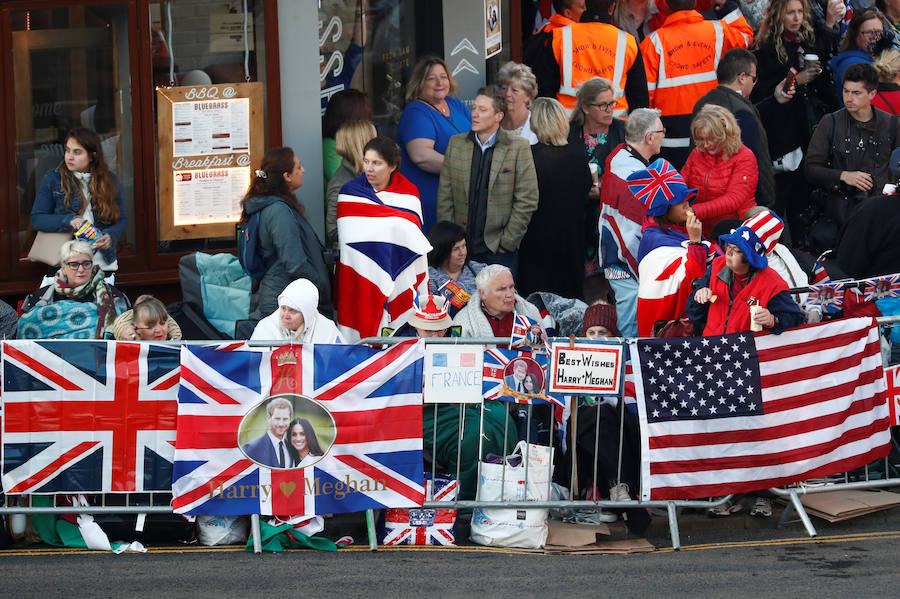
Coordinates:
83	190
78	305
672	252
383	250
297	319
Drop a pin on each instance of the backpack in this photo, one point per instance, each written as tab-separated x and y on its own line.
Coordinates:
249	251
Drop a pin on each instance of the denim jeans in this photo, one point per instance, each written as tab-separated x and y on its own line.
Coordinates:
626	291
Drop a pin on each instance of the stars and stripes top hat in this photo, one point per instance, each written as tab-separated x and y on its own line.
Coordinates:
433	315
768	228
748	242
659	186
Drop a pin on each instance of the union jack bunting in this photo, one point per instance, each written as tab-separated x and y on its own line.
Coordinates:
828	295
88	416
421	526
875	289
370	453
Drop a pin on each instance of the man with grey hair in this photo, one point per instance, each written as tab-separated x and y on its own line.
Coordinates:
490	313
621	215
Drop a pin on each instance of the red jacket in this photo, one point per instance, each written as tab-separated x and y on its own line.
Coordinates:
733	315
725	189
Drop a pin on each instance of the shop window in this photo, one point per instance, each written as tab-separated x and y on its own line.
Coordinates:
70	68
372	47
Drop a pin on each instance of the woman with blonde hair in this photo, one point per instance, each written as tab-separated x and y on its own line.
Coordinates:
721	168
887	96
431	117
520	87
350	140
563	184
147	320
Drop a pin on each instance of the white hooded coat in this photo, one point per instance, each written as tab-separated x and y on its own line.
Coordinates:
301	295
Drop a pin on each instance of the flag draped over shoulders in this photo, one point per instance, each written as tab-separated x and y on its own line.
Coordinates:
665	273
621	214
383	256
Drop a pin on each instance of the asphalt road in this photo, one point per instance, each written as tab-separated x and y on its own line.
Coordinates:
736	557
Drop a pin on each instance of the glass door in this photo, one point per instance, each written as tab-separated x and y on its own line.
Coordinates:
71	67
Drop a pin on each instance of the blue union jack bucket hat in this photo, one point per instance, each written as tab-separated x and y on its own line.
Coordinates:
659	186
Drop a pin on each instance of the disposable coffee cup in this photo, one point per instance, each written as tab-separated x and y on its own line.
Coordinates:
594	174
754	310
809	60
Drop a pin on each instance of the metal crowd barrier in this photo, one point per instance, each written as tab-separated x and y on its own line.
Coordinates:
671	506
841	482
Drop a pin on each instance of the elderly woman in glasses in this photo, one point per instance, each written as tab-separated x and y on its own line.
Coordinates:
597	133
78	305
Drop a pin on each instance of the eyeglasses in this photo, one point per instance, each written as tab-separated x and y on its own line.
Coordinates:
753	77
86	265
663	131
605	106
733	250
873	35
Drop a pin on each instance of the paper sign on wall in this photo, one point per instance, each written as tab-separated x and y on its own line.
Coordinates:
453	373
586	368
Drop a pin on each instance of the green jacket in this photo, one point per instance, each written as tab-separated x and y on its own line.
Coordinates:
512	193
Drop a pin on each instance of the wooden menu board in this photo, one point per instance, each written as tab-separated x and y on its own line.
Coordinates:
210	136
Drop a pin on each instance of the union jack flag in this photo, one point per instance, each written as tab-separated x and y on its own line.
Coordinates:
420	526
874	289
820	275
374	459
383	251
528	334
88	416
494	384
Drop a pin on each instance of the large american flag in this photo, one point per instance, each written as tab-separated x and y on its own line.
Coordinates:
91	416
374	398
739	412
383	256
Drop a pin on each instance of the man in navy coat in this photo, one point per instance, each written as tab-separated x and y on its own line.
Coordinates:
271	449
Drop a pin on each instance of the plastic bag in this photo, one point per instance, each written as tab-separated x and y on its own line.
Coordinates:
222	530
506	527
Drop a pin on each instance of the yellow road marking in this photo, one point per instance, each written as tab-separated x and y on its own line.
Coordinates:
862	536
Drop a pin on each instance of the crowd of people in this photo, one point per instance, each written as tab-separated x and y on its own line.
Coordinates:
672	163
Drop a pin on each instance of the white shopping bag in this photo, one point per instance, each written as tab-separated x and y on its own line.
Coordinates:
507	527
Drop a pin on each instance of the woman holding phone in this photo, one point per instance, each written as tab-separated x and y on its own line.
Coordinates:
787	35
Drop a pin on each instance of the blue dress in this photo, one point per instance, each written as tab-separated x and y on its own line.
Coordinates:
421	121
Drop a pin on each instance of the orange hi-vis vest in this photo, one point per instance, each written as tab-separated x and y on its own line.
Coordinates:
680	59
555	21
586	50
